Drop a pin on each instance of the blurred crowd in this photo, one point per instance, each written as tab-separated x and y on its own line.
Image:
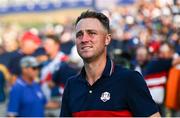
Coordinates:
145	38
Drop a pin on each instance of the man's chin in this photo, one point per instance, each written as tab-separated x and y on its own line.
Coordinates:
87	58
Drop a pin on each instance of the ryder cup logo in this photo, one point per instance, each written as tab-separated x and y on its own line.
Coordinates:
105	96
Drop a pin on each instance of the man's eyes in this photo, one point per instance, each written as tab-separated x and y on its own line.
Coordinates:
79	34
90	33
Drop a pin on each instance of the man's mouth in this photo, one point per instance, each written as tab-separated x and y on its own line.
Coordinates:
86	47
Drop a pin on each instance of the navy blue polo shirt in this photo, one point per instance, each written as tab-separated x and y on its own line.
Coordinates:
118	92
26	100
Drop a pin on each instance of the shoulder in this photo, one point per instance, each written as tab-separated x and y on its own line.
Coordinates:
19	85
15	57
73	81
74	78
16	90
16	54
127	74
124	72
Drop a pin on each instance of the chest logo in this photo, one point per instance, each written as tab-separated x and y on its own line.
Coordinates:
105	96
39	94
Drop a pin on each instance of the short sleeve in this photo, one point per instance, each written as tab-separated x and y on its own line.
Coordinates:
14	101
65	110
140	101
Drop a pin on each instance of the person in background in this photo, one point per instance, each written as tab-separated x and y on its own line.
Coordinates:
122	58
26	98
172	96
75	60
8	46
40	55
156	73
29	42
66	41
51	45
142	58
4	77
51	83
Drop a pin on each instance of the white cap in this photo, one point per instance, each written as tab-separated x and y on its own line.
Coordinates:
29	61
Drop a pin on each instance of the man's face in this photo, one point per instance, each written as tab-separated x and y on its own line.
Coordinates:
50	46
91	38
28	46
141	55
165	52
30	72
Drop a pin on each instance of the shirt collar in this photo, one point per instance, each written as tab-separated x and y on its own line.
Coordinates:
109	68
23	82
107	72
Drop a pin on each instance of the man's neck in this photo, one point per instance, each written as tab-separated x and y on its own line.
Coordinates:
95	69
27	80
53	55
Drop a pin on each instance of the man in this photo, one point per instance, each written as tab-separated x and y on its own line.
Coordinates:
55	71
142	58
156	73
26	98
29	42
51	45
102	88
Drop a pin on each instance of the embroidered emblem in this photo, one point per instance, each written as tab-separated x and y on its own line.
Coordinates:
105	96
39	94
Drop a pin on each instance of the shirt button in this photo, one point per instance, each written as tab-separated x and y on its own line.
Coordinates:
90	91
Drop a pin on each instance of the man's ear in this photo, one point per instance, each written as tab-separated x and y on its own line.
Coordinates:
108	39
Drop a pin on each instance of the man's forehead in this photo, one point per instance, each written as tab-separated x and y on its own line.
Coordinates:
89	24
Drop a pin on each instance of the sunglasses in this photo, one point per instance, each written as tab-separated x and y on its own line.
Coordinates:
35	68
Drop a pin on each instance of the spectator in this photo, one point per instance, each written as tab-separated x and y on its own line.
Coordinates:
156	73
29	42
26	98
8	46
4	76
53	84
52	47
40	55
66	42
142	58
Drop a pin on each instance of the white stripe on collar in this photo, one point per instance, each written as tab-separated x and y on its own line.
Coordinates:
19	81
112	66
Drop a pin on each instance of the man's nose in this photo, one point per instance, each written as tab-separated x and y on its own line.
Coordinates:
85	38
